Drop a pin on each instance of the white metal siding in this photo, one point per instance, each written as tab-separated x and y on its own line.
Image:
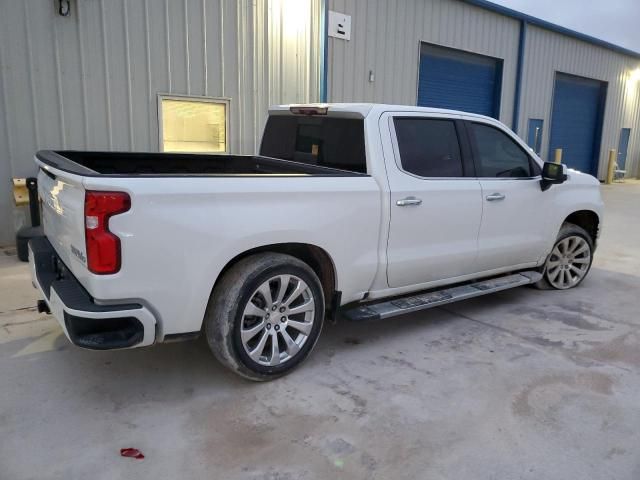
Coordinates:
89	81
549	52
386	36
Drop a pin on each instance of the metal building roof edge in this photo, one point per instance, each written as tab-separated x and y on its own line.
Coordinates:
538	22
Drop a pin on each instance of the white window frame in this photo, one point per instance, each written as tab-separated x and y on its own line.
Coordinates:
194	98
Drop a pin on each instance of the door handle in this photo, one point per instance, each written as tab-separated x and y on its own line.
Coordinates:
406	202
495	197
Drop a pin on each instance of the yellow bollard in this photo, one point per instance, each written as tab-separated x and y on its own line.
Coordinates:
558	157
611	167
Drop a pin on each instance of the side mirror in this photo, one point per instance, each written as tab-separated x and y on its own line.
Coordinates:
552	174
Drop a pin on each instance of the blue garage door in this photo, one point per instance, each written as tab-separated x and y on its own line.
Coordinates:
459	81
576	121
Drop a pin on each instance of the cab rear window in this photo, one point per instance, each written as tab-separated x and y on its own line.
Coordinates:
325	141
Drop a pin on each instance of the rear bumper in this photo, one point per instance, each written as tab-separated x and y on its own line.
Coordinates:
86	323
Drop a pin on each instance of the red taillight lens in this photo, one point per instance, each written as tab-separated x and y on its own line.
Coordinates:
103	247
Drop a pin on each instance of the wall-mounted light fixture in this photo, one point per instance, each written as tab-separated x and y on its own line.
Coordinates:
64	7
632	86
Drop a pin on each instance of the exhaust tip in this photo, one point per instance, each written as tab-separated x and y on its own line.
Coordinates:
43	307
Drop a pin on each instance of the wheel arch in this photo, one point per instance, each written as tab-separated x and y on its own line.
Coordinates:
586	219
316	257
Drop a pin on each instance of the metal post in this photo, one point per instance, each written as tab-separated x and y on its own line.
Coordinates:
558	156
35	230
34	205
611	167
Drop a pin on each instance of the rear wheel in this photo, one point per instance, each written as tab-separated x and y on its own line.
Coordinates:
570	260
265	315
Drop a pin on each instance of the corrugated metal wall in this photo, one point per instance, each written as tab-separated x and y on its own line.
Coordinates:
385	39
386	36
549	52
90	80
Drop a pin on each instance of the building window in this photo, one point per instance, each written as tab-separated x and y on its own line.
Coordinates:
193	124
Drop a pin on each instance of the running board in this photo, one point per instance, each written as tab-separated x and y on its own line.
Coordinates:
414	303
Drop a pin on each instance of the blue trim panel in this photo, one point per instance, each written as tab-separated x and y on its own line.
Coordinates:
497	90
521	48
535	133
324	45
602	103
551	26
623	147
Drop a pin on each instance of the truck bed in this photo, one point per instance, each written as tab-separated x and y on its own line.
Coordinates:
118	164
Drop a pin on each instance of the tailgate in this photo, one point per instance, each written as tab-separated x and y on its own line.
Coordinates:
62	203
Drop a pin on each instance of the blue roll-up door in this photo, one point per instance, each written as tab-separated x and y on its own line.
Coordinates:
576	121
459	80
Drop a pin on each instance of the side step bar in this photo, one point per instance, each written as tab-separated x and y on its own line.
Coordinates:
414	303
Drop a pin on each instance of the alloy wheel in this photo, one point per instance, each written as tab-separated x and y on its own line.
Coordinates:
277	320
569	262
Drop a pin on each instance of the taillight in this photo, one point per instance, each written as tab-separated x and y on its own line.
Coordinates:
103	247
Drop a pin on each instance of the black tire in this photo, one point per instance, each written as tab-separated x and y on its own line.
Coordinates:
567	230
224	316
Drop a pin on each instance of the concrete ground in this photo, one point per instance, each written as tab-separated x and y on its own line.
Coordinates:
520	384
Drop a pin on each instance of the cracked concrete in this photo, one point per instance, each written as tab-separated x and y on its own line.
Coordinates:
519	384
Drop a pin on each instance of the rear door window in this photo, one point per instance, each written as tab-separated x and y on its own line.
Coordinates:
429	147
317	140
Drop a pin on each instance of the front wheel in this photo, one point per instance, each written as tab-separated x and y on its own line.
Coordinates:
570	260
265	315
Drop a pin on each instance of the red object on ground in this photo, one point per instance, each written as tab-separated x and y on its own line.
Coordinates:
131	452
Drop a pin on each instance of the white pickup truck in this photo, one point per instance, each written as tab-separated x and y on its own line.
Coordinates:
355	210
